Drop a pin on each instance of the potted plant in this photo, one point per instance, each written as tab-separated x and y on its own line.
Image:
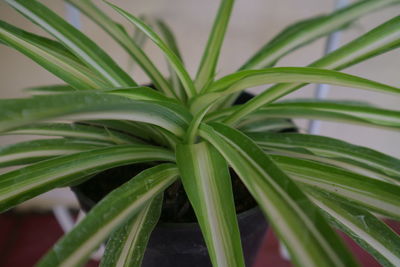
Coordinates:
187	139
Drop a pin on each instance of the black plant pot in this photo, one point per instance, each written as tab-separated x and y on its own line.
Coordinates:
181	244
173	244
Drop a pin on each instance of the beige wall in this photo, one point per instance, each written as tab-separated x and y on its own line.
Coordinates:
253	23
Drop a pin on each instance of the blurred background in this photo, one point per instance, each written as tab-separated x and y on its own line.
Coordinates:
253	23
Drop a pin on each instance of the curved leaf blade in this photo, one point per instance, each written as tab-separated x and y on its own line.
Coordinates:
22	184
206	71
54	89
381	39
37	150
375	195
250	78
294	218
268	125
331	151
75	41
169	38
171	56
373	117
119	206
130	46
141	93
127	245
304	32
78	131
91	106
51	56
363	227
205	177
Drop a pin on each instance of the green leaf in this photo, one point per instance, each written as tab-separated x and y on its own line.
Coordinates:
171	56
332	151
111	212
169	39
51	56
205	177
328	110
37	150
149	133
268	125
306	234
75	41
22	184
127	245
250	78
206	71
383	38
140	39
306	31
48	89
363	227
142	93
375	195
78	131
91	106
130	46
136	93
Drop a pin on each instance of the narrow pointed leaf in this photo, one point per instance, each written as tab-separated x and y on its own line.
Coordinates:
207	182
77	43
147	132
383	38
86	106
268	125
375	195
111	212
374	115
140	39
78	131
130	46
37	150
141	93
294	218
206	71
25	183
127	245
332	151
169	38
251	78
347	113
171	56
51	56
304	32
54	89
364	228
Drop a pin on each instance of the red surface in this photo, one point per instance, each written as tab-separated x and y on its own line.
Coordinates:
24	238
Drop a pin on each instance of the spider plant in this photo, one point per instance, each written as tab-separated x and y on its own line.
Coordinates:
101	118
